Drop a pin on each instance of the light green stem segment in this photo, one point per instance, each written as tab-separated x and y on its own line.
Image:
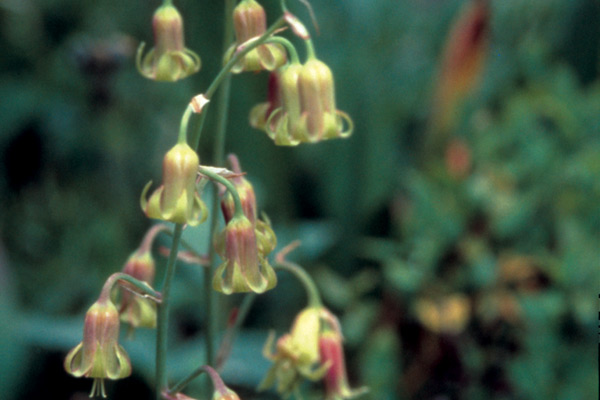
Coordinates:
183	126
288	45
239	212
310	49
225	72
144	288
162	322
314	299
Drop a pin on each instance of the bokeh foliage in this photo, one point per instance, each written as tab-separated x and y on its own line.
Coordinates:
476	285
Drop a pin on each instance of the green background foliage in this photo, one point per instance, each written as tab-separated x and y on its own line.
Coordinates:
516	239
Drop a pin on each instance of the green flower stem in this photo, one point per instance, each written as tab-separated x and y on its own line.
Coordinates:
314	299
310	49
183	126
226	344
288	45
239	211
144	288
225	72
163	316
218	383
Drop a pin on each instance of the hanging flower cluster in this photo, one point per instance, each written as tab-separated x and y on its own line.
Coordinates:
244	244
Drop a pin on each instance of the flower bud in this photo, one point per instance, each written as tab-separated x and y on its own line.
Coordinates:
169	60
139	312
245	191
244	268
99	355
250	21
176	200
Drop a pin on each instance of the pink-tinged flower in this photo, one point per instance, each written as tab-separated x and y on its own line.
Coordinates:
250	21
244	269
169	60
331	352
296	355
176	200
99	356
245	192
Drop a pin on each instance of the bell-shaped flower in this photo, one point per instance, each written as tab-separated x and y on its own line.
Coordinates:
99	355
331	353
319	118
244	268
250	21
308	112
169	60
296	355
176	200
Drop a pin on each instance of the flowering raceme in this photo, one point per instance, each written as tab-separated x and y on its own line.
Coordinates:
169	60
250	21
176	200
99	355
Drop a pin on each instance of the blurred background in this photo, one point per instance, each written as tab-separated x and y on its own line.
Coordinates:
456	234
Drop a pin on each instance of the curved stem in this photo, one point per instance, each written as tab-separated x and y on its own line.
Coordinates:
239	212
314	299
288	45
143	287
253	43
310	49
146	244
163	316
218	383
183	126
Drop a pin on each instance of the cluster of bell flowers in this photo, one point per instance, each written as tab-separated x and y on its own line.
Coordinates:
300	109
312	350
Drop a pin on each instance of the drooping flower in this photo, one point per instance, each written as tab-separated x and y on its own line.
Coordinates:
259	114
296	355
244	269
308	111
176	200
169	60
250	21
99	356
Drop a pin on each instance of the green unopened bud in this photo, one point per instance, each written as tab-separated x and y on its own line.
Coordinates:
169	60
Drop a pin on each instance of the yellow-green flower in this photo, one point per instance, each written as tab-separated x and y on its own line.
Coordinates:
176	200
99	355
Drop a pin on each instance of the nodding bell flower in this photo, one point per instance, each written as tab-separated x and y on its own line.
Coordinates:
176	200
308	112
244	268
331	352
297	353
169	60
245	191
99	355
250	21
